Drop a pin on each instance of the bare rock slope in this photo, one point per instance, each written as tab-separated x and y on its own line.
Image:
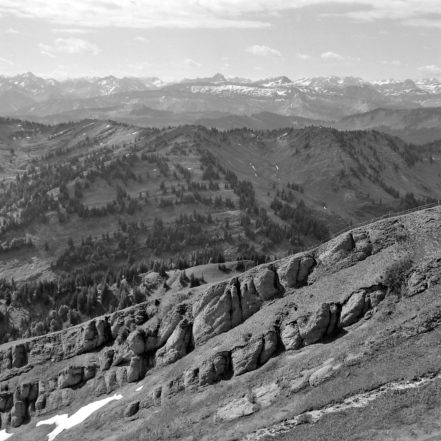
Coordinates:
241	355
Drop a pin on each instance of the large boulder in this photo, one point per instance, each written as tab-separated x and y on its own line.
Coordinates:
135	342
250	301
236	310
305	266
131	409
18	413
169	323
103	330
246	358
19	356
352	309
290	336
289	270
107	359
136	369
213	319
270	341
177	345
313	329
265	283
70	376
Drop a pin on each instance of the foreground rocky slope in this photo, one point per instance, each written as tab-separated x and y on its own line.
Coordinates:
237	356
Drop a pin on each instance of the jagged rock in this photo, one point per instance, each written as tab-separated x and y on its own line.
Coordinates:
214	319
334	311
236	310
121	375
6	359
6	401
22	392
315	327
289	270
206	373
111	380
250	301
270	341
236	409
19	356
169	324
70	376
131	409
305	266
102	327
323	374
116	326
107	359
172	387
265	284
33	392
136	369
191	379
337	249
301	382
290	336
246	358
376	297
352	310
135	342
363	245
221	362
177	345
18	413
89	371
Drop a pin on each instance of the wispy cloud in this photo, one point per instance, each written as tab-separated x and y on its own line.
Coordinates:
303	56
332	56
430	70
263	51
6	61
48	54
140	39
73	30
191	63
396	63
11	31
70	46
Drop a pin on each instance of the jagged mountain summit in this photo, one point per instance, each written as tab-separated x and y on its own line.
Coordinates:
300	348
322	98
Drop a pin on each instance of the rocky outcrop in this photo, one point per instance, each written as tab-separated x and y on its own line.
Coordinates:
313	329
246	358
352	309
136	369
131	409
70	376
178	344
290	336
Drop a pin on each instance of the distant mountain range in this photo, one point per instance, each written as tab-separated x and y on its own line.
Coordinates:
228	102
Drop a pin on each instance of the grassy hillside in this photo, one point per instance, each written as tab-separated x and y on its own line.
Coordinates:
86	206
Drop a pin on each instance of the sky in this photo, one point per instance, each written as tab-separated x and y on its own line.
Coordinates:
176	39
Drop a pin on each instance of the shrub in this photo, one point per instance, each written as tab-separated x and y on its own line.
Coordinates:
395	274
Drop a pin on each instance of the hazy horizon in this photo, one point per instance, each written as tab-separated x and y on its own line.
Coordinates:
371	39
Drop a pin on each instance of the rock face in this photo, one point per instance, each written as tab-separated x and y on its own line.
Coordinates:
70	376
313	329
131	409
352	309
178	344
261	310
246	358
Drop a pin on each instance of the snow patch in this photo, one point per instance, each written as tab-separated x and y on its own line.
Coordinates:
139	388
64	422
4	436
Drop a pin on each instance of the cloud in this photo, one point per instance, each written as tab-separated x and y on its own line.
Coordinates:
48	54
73	30
12	31
5	61
191	63
332	56
140	39
430	70
70	46
263	51
303	56
395	63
